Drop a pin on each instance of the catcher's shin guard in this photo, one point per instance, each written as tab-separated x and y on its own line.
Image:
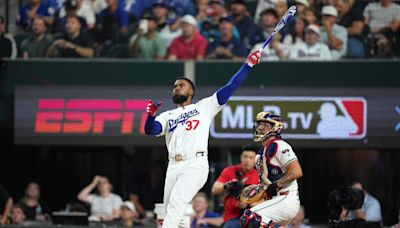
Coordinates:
250	219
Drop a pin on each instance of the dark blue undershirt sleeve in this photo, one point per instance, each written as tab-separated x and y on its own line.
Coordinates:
151	126
226	91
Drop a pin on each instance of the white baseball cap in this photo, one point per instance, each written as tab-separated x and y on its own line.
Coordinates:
189	19
279	1
303	2
129	205
329	10
314	28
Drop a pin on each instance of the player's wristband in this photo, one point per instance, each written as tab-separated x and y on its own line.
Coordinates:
152	127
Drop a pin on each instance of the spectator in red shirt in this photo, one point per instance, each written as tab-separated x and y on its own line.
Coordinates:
231	182
190	45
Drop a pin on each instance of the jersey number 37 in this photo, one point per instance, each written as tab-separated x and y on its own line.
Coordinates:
191	124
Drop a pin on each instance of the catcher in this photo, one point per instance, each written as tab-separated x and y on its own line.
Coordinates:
275	201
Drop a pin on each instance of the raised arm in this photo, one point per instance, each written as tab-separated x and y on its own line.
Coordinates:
83	195
5	197
152	127
7	211
226	91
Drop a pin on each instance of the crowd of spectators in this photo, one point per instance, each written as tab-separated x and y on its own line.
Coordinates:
107	208
203	29
102	206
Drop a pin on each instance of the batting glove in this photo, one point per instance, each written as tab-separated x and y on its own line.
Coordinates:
152	107
253	59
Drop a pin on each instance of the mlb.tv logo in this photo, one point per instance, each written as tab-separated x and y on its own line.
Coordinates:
305	117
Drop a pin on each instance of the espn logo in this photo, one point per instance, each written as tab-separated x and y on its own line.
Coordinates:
84	116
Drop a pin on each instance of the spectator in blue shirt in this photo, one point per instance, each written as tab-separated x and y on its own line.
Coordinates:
182	7
371	208
242	21
268	20
141	6
227	46
202	217
71	8
55	4
209	27
112	26
114	16
32	9
160	10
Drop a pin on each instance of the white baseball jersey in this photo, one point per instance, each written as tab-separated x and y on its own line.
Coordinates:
282	208
302	51
278	155
186	129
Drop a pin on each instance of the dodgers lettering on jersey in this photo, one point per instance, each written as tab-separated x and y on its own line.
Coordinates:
173	123
186	129
278	155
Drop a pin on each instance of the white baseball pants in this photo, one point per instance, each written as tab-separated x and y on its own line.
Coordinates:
281	209
183	180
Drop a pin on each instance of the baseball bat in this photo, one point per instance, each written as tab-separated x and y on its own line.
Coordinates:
284	20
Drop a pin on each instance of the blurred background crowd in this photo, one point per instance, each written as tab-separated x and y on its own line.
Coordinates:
103	206
202	29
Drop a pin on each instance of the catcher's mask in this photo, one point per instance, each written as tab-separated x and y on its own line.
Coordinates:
266	125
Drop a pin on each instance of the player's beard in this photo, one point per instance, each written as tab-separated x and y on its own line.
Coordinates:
179	99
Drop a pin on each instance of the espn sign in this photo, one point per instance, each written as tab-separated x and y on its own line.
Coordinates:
305	117
88	116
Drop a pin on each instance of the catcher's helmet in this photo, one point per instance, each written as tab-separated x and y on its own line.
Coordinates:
276	122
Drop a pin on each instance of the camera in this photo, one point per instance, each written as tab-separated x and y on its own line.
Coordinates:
343	198
235	187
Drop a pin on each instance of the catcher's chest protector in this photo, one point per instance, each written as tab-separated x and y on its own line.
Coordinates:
264	166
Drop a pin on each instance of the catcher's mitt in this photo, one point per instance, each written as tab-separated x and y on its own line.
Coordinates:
251	194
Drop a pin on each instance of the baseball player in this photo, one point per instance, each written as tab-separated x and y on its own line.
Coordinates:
278	170
186	131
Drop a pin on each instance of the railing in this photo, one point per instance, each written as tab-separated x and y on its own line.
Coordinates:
96	72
